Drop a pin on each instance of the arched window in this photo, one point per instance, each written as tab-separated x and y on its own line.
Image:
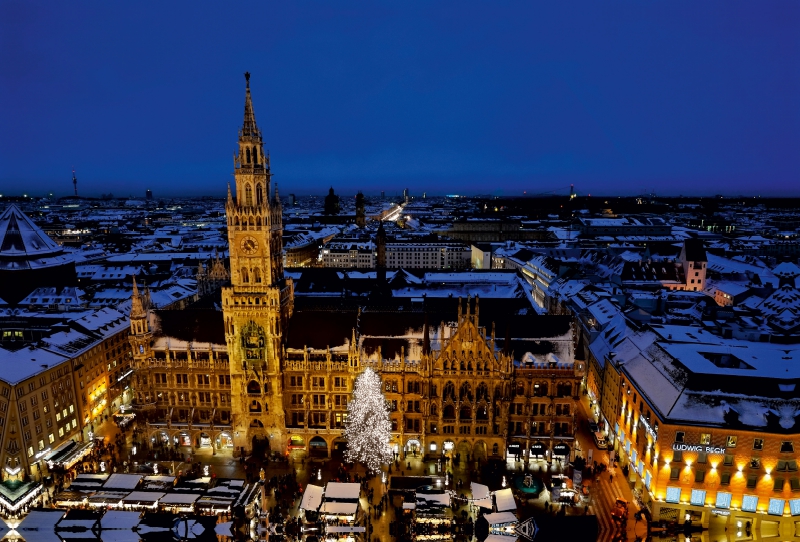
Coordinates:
449	391
245	275
466	413
253	388
434	410
257	276
465	392
482	413
258	222
482	393
259	194
255	406
248	194
255	155
247	152
494	449
520	391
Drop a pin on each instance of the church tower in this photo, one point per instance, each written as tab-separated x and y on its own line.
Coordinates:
258	303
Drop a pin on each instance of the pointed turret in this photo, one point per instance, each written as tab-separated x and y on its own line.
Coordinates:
230	195
276	200
249	128
137	308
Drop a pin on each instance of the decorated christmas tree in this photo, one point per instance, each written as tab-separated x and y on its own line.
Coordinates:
367	428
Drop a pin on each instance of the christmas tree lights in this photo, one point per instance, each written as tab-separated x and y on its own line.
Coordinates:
367	428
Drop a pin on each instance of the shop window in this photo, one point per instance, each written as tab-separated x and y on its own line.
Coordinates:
705	439
752	480
725	478
755	462
794	483
677	456
673	494
730	442
787	447
702	457
679	436
674	472
758	444
723	500
777	485
699	476
749	503
698	497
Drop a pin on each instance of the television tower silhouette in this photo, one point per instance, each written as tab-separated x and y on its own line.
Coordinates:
74	181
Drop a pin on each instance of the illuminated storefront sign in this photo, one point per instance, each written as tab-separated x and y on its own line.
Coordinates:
680	447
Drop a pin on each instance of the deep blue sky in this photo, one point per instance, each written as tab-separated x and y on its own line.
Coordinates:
677	98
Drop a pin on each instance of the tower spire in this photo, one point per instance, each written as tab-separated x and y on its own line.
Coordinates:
137	309
249	127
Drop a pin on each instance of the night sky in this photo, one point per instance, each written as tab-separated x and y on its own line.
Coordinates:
448	97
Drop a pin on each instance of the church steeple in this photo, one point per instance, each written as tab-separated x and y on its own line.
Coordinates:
249	128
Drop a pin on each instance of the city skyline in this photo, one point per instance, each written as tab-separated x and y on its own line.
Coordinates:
614	100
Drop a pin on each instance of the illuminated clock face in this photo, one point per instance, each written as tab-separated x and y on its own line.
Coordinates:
249	245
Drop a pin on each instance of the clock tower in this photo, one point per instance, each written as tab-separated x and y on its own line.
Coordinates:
258	303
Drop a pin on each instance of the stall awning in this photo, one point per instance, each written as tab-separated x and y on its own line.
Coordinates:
312	498
171	499
497	538
143	497
500	518
123	481
341	508
409	506
119	519
440	499
342	529
505	500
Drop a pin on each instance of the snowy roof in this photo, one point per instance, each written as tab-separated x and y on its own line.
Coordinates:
312	497
26	362
123	481
19	236
344	491
144	496
505	500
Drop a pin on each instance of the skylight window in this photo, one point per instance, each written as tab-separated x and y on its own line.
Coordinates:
725	361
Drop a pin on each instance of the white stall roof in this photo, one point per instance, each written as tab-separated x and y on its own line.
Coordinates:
500	517
179	498
312	498
224	529
39	526
123	481
505	500
347	508
481	496
339	490
409	506
203	480
119	519
236	483
493	538
144	496
96	477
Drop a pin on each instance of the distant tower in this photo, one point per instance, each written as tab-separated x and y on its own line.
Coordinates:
332	203
141	342
74	181
361	215
405	195
383	194
148	195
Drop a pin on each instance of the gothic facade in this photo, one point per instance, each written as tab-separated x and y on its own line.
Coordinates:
282	369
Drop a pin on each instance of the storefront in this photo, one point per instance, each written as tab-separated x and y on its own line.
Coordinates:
538	451
183	439
224	440
561	452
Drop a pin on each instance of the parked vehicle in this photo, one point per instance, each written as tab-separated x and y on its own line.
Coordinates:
600	440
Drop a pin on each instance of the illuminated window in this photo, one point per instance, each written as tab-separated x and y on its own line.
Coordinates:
673	494
723	500
758	444
705	439
749	503
698	497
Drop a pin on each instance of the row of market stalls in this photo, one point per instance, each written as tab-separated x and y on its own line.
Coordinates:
115	526
336	507
139	492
